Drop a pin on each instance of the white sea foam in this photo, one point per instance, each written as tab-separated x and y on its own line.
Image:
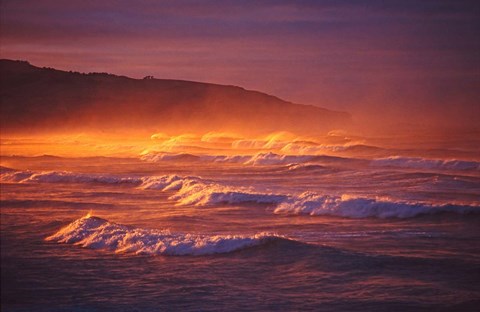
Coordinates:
304	167
201	192
424	163
163	157
254	160
158	182
15	175
194	190
260	159
97	233
355	207
276	159
189	190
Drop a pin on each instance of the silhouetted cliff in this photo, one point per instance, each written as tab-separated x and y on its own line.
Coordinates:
45	99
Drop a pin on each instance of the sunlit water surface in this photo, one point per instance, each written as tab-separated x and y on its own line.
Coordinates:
367	236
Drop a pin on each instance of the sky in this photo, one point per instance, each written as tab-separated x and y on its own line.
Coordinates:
414	59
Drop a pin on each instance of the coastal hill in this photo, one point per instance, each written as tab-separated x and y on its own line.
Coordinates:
36	100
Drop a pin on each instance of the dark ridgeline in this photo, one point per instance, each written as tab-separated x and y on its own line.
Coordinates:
37	99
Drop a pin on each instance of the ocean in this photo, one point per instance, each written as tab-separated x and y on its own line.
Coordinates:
367	230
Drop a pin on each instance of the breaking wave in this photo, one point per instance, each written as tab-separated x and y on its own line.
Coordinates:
189	190
161	183
305	167
196	191
12	175
97	233
276	159
424	163
200	192
259	159
356	207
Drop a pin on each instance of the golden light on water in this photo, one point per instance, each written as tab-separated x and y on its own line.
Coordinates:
213	143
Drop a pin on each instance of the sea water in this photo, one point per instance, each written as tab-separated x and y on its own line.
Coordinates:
260	232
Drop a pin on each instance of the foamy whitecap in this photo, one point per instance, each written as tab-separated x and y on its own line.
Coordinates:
356	207
252	160
158	182
189	190
12	175
305	167
97	233
425	163
193	190
165	157
276	159
201	192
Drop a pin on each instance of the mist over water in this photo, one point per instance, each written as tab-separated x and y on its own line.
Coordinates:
291	222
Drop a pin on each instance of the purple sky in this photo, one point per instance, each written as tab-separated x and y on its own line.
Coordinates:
397	57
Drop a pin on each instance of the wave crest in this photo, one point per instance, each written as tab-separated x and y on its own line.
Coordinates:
200	192
356	207
12	175
97	233
276	159
305	167
193	190
259	159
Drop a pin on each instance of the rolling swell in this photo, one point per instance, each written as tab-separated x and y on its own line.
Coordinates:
189	190
194	190
424	163
63	177
259	159
98	233
27	203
